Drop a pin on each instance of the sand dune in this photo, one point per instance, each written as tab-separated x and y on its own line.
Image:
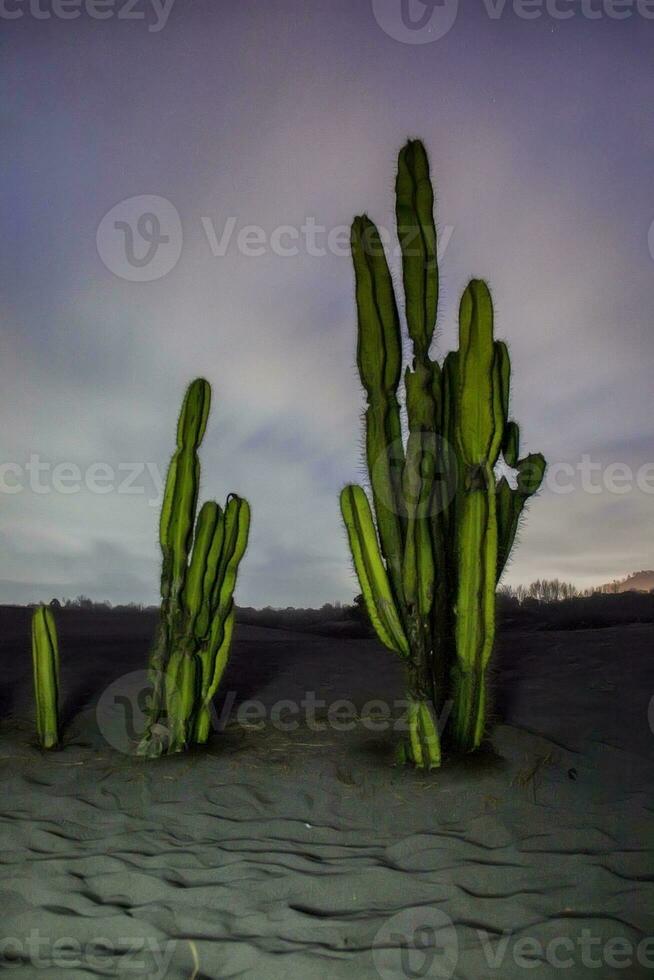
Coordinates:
305	854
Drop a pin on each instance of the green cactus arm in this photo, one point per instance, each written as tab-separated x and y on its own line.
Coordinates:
220	645
370	570
509	508
236	525
45	664
503	366
235	539
449	395
501	380
511	444
385	459
442	463
477	540
181	491
379	359
424	747
475	611
379	343
450	459
210	575
418	571
194	593
481	406
414	208
202	623
418	563
478	395
182	690
511	504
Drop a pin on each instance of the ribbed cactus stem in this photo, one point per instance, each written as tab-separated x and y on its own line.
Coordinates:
199	569
480	426
423	747
45	663
379	358
429	559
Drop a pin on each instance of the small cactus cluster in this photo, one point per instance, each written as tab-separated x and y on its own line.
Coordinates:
200	564
429	562
45	665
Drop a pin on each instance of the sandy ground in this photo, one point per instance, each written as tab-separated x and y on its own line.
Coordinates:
304	853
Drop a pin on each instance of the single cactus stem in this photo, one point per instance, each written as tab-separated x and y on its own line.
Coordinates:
416	229
376	588
45	663
379	358
423	744
444	530
220	644
468	722
480	429
214	649
181	699
202	728
475	618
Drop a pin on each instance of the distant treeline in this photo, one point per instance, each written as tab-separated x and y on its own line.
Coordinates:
83	602
550	608
553	590
329	610
546	604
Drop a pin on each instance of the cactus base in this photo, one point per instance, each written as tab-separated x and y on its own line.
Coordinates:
468	722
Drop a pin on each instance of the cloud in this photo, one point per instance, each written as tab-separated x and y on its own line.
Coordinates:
301	118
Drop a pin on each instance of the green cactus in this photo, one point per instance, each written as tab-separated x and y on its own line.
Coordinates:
429	562
199	568
45	664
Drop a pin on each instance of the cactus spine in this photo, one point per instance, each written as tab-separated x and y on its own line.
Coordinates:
45	664
429	562
199	569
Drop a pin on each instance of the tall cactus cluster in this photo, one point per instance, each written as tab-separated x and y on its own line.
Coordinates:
429	562
45	665
200	564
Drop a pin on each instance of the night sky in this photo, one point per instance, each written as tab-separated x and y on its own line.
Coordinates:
279	113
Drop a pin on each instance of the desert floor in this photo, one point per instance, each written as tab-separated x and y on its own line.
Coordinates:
293	853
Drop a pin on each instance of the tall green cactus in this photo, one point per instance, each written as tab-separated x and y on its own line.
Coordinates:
199	568
429	563
45	665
